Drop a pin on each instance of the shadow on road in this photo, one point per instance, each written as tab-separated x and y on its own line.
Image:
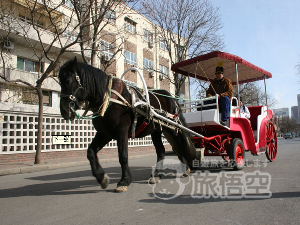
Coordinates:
81	182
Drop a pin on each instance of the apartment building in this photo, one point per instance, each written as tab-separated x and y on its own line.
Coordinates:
127	40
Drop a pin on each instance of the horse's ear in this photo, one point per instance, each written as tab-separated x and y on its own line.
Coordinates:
74	63
75	60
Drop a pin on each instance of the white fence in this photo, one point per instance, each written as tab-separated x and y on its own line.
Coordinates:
18	124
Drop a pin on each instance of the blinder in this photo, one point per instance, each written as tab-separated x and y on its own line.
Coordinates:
72	97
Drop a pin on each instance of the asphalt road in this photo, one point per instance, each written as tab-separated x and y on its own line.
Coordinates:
72	196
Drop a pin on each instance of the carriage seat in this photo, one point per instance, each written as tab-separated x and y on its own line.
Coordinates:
255	111
206	113
256	115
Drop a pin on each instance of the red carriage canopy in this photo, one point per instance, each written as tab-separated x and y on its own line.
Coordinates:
194	67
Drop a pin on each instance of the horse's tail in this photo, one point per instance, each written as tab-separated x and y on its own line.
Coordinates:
180	113
189	151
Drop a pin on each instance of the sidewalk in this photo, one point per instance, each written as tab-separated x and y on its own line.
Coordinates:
56	163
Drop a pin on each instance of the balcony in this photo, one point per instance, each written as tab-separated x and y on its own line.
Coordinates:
29	77
19	25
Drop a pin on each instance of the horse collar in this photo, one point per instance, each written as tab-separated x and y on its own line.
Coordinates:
106	97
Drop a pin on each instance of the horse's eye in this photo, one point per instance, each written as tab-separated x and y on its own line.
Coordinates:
69	80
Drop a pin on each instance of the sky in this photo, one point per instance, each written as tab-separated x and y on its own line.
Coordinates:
266	33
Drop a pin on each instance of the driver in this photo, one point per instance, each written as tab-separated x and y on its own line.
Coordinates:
223	87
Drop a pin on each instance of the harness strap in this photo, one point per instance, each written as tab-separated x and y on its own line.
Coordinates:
107	96
110	98
157	100
125	103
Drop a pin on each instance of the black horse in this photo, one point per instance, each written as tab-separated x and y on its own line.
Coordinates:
82	83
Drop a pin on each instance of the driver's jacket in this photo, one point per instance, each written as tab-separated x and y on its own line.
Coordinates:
223	87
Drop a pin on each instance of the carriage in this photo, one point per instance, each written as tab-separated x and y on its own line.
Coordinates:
256	135
121	111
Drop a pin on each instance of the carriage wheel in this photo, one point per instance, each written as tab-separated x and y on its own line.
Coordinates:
237	154
271	142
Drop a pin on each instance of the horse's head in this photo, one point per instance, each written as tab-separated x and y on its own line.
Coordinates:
73	94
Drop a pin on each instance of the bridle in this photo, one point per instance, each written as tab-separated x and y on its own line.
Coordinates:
72	97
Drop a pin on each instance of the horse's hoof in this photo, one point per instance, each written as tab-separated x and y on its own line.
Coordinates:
121	189
105	181
187	173
154	180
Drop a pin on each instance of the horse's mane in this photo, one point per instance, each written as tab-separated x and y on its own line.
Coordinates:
93	80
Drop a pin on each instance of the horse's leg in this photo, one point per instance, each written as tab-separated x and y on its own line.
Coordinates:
126	178
97	144
160	152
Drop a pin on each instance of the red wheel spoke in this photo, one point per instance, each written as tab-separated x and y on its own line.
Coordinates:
271	142
239	155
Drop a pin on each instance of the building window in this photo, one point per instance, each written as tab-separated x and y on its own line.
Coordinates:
130	58
148	36
47	99
55	71
29	65
29	21
110	15
69	3
180	49
30	97
130	26
107	49
162	44
164	71
148	65
70	35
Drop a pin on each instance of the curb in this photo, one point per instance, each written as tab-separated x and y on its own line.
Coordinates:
54	166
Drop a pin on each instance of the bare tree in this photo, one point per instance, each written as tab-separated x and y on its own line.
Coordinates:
95	16
50	35
253	94
188	28
287	124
